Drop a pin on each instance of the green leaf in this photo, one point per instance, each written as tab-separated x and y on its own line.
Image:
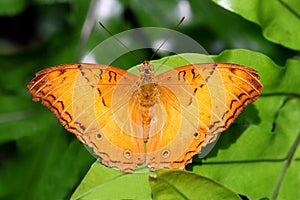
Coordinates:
178	184
280	20
37	157
107	183
12	7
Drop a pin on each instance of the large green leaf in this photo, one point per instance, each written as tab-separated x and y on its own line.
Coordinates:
280	20
177	184
107	183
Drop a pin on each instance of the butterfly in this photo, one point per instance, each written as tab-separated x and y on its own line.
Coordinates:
160	121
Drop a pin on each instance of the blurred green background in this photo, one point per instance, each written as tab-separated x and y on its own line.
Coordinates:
38	158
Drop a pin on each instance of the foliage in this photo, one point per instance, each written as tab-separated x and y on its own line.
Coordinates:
258	157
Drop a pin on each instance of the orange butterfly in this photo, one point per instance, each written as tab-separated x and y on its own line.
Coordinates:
161	121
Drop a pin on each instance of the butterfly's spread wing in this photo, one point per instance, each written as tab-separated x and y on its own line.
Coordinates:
82	96
199	102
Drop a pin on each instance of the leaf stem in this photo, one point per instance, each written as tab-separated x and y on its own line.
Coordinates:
287	162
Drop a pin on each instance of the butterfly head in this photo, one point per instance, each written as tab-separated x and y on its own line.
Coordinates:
146	73
146	68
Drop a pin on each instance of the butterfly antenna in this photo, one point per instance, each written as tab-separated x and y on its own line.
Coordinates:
110	33
168	36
